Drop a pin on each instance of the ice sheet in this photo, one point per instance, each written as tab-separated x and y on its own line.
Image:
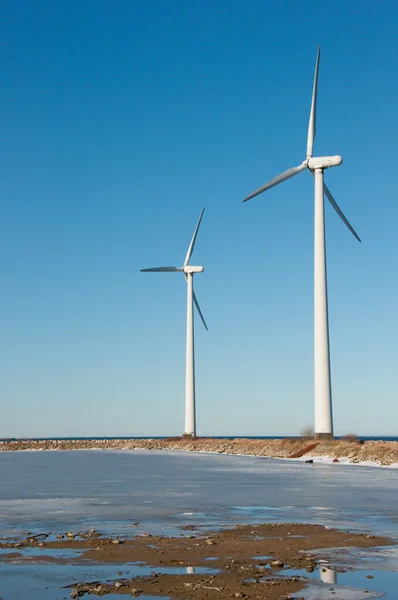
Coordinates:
114	490
81	489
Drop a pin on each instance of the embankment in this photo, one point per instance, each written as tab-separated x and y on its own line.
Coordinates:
380	452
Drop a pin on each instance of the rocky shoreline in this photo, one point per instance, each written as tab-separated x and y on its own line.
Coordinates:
351	450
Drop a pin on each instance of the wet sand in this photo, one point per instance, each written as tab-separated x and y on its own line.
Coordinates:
249	559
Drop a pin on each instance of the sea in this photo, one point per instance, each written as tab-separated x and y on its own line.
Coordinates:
125	492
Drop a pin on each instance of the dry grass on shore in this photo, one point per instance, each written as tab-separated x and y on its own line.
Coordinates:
351	448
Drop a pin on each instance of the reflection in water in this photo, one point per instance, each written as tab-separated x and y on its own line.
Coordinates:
328	575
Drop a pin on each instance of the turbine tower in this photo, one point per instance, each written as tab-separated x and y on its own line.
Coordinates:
323	423
189	271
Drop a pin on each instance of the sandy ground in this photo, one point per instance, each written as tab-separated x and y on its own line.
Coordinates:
244	556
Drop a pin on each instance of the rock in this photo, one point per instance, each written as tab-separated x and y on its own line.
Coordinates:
210	542
70	535
119	584
116	542
136	591
120	572
41	544
336	460
76	593
277	563
60	536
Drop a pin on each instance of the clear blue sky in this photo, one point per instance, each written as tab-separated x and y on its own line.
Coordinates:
119	121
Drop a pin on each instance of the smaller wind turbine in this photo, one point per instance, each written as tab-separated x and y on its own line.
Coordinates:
189	271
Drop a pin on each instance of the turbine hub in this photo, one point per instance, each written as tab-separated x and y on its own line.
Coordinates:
190	270
324	162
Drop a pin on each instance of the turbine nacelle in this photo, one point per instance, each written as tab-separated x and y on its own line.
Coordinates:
312	164
188	270
323	162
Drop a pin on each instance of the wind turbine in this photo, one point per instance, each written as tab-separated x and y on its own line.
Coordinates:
189	271
323	424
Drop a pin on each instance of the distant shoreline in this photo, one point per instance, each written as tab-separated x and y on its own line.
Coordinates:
353	451
364	438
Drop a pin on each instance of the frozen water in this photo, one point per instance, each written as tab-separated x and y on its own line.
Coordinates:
365	558
79	489
113	490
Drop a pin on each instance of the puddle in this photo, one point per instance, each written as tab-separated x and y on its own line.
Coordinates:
262	557
65	558
29	573
333	583
37	554
25	580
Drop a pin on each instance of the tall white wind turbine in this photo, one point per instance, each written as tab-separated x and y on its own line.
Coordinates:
323	424
189	271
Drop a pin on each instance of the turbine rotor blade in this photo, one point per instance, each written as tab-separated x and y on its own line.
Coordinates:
278	179
312	122
162	270
199	311
192	244
339	211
